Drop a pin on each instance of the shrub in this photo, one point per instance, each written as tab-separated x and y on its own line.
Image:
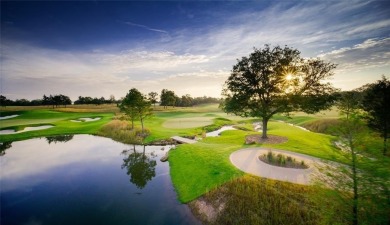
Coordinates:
282	160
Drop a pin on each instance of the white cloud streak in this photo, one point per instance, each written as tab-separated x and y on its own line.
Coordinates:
145	27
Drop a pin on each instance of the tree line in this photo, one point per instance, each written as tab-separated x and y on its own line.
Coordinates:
51	100
169	98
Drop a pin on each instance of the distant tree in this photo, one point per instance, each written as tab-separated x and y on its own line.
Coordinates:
144	111
129	104
186	100
135	105
376	103
153	97
3	101
277	80
22	102
111	99
168	98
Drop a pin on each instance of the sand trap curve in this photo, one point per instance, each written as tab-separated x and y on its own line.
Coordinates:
8	117
2	132
248	161
85	119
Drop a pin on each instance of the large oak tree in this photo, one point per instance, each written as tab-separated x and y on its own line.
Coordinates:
277	80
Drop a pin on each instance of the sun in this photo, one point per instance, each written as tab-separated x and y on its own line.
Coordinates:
289	76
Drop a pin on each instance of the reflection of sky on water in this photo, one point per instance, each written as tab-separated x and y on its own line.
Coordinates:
32	157
81	182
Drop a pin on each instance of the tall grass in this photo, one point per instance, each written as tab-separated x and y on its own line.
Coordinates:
121	131
255	200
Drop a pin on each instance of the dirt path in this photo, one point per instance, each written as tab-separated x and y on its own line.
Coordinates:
248	161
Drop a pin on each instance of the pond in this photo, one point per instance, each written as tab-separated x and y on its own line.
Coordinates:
84	179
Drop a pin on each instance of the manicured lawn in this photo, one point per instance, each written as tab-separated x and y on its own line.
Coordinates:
60	121
200	167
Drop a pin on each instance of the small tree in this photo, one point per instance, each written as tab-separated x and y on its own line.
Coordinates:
277	80
376	103
168	98
153	98
135	105
144	111
351	133
129	104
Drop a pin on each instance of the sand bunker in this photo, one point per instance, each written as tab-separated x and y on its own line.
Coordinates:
216	133
7	117
86	119
248	161
26	129
192	122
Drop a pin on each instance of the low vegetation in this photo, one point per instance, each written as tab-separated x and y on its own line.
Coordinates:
282	161
120	130
255	200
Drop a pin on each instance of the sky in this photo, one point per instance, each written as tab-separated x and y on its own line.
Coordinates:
94	48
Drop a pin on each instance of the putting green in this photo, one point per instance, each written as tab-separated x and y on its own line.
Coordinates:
192	122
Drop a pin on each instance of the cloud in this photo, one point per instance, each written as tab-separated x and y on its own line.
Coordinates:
197	59
30	72
369	54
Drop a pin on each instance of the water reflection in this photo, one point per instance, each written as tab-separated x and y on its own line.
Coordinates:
81	182
4	146
60	138
140	167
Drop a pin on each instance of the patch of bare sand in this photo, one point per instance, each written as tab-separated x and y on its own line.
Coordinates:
205	210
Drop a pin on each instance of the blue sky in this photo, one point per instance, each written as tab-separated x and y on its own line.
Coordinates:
94	48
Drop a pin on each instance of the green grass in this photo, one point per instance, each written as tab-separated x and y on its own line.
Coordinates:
190	122
200	167
60	121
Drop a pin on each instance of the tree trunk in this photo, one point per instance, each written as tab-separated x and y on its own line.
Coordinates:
265	123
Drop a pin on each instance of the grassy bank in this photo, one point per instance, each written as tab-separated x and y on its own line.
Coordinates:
255	200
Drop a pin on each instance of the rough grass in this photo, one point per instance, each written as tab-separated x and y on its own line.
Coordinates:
255	200
325	126
121	131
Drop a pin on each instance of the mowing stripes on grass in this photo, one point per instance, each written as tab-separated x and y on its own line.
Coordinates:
187	122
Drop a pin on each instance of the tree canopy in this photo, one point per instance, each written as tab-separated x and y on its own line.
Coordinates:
277	80
136	106
376	102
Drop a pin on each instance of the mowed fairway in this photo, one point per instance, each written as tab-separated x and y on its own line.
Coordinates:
60	120
191	122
